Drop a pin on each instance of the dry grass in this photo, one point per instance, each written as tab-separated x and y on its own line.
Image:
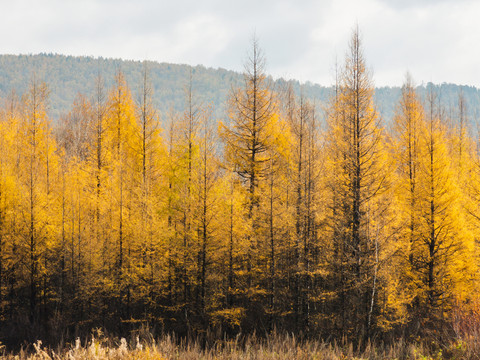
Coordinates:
275	347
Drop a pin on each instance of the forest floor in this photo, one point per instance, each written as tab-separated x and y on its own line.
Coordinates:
279	347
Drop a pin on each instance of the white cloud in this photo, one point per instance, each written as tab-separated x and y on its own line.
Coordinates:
436	40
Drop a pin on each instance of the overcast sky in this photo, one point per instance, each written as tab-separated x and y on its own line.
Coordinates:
436	40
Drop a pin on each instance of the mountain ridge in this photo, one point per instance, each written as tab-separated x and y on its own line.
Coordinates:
68	75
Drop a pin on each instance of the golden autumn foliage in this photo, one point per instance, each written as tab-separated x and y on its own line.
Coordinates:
280	217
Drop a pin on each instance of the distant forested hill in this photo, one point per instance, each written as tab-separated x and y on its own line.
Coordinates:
67	76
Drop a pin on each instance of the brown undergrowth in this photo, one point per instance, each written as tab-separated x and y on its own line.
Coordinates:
281	347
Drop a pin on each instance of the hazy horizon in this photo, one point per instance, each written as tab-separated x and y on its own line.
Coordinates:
239	71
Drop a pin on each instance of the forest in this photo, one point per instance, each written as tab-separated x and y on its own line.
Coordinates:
66	76
286	215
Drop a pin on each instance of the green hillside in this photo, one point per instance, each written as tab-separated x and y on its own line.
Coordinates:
67	76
